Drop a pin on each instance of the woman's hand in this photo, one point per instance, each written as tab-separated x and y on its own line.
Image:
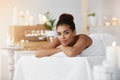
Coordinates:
69	51
60	47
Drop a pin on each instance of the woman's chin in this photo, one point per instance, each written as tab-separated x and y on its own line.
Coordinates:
64	44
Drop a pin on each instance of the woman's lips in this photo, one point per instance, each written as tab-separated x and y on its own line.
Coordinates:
63	41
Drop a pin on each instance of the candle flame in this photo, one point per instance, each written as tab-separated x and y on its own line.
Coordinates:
114	43
21	13
114	19
15	8
40	15
27	12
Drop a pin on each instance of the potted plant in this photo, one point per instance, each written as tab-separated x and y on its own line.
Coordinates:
50	22
91	14
92	19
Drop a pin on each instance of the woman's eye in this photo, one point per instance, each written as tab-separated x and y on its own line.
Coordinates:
58	34
66	32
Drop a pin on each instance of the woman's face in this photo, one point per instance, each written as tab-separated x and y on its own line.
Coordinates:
65	34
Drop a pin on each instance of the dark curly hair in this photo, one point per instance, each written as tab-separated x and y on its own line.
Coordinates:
67	19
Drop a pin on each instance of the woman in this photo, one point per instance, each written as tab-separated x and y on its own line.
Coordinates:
67	41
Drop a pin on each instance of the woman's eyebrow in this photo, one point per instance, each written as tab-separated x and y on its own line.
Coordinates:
62	31
58	32
65	30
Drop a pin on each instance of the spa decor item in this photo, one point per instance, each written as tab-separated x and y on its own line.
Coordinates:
50	22
92	19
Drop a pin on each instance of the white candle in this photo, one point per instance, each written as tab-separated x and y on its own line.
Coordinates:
8	41
31	20
118	55
111	54
21	18
15	16
115	21
27	18
44	19
107	24
40	19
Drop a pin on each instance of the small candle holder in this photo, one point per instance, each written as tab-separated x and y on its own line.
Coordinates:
107	20
107	24
115	21
50	38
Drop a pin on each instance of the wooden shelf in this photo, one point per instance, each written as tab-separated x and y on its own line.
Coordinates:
17	33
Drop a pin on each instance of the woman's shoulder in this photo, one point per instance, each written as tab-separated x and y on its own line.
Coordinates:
86	38
82	35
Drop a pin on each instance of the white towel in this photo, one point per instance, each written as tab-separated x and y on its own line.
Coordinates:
100	41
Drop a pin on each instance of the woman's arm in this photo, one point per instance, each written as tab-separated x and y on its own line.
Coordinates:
46	52
82	43
48	49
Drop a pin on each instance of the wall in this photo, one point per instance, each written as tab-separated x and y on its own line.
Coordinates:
0	67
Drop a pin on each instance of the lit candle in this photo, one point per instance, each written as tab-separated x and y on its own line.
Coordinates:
44	19
118	55
111	54
21	18
31	20
115	21
15	16
40	18
50	38
27	17
8	41
107	24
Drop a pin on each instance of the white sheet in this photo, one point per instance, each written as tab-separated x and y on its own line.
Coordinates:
60	67
55	68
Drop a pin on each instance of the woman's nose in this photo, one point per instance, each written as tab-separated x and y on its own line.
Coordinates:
62	36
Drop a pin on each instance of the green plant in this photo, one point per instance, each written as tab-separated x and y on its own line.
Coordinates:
91	14
50	22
